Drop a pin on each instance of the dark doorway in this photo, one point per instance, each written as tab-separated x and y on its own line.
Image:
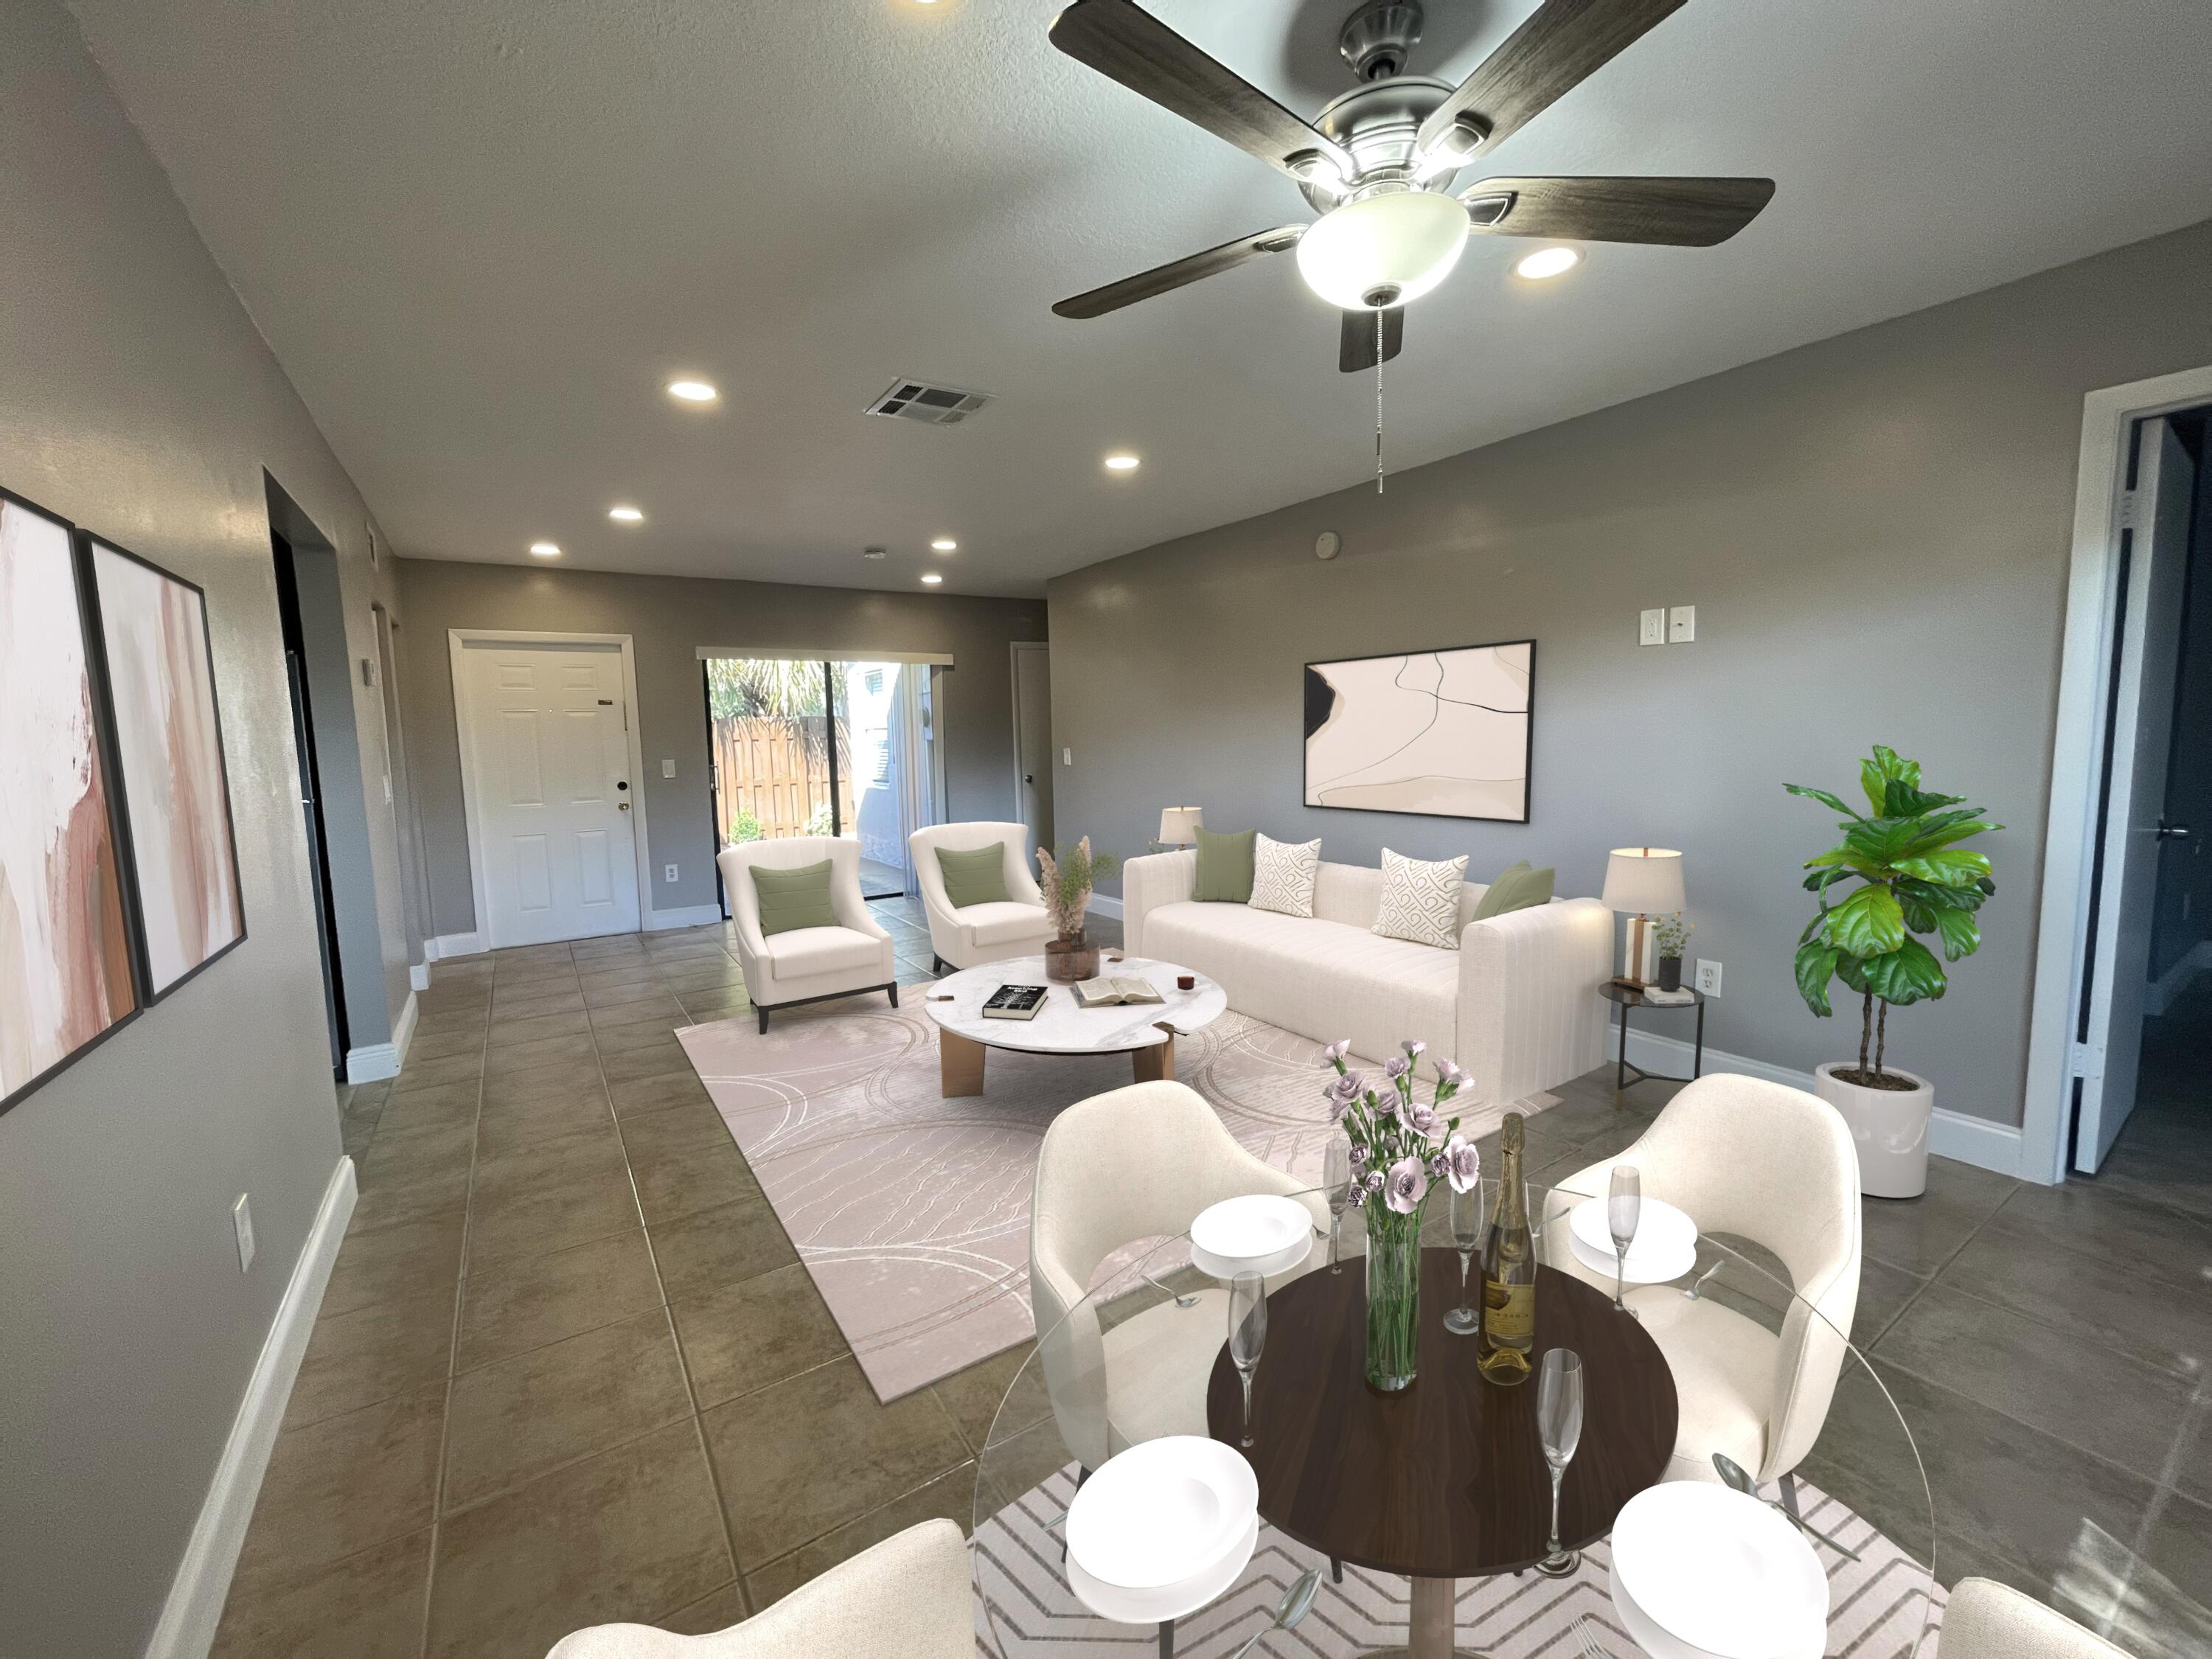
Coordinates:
311	804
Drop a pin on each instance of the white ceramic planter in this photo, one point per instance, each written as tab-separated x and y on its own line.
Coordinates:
1890	1126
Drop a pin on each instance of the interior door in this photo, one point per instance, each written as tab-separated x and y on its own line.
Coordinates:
2153	565
1033	739
548	748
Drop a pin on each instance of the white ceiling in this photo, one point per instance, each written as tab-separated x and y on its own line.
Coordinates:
480	234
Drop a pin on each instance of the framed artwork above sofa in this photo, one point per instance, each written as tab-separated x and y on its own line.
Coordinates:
1436	733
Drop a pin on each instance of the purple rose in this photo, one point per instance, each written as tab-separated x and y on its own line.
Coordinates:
1408	1184
1449	1071
1351	1085
1358	1153
1336	1051
1414	1050
1438	1168
1462	1164
1422	1120
1385	1105
1395	1069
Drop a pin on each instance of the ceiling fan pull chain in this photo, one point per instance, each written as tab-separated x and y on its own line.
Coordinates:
1378	400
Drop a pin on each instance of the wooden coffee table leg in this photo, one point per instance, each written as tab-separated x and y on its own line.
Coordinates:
959	1064
1155	1064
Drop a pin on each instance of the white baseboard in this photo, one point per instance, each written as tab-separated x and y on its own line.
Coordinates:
194	1607
378	1060
418	976
402	1030
695	915
2168	987
1106	906
455	945
1950	1134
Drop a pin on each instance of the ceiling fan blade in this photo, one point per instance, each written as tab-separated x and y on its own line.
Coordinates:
1355	340
1127	43
1160	278
1672	212
1561	46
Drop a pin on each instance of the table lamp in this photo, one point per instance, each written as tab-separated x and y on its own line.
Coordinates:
1179	826
1641	882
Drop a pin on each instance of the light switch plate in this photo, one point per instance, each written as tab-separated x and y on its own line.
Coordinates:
1652	630
1682	625
241	1222
668	769
668	872
1067	757
1709	977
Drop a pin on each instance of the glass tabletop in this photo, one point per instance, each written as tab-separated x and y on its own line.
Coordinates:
1417	1521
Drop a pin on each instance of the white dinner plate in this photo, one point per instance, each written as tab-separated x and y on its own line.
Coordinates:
1160	1513
1261	1232
1647	1635
1175	1601
1720	1570
1661	1230
1644	1269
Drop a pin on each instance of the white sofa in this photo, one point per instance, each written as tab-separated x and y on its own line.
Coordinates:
806	964
972	935
1517	1004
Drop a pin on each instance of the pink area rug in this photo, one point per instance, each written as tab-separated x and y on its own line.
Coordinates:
912	1212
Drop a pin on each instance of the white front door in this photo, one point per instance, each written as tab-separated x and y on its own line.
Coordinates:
544	734
2152	574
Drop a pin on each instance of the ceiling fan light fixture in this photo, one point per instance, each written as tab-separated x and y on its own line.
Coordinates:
1382	249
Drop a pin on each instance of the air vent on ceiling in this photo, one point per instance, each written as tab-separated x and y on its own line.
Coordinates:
935	405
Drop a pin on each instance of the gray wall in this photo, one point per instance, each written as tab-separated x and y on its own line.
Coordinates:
668	618
137	398
1874	530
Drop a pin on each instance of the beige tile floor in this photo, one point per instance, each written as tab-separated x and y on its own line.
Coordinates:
569	1368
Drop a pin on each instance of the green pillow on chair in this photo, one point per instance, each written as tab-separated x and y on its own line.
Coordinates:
793	898
1225	867
974	878
1517	888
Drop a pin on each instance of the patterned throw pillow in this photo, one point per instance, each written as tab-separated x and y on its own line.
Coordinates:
1282	876
1421	901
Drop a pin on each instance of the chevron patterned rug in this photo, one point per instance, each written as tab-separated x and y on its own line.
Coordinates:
1880	1607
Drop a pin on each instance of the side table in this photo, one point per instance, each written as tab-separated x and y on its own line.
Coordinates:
1629	997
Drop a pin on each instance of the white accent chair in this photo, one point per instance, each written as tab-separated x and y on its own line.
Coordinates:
1984	1619
977	933
909	1597
806	964
1132	1164
1774	1165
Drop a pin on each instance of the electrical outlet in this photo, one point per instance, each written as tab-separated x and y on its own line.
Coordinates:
1652	629
1067	757
668	872
1682	625
241	1222
1709	977
668	769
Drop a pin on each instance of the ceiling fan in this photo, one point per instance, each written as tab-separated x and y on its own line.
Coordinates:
1378	163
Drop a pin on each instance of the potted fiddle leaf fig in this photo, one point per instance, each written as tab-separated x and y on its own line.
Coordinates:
1899	871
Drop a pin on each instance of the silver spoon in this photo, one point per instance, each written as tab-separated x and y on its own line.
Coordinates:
1297	1601
1737	1476
1693	1291
1181	1300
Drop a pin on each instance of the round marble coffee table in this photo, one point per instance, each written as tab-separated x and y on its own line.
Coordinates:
1146	1031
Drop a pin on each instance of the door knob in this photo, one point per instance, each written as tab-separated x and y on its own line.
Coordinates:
1029	777
2172	831
622	807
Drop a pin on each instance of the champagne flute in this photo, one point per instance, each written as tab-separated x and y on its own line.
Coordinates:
1336	1177
1467	1232
1248	1334
1622	1210
1559	1427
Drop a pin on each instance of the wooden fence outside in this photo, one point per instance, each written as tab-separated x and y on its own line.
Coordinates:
775	770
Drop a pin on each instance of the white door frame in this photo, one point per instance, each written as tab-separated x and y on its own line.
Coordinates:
2077	753
457	640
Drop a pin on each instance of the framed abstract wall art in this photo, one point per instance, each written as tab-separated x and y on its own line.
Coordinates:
168	747
1439	733
65	934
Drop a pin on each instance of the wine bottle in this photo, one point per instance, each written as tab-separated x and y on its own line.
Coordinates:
1509	1273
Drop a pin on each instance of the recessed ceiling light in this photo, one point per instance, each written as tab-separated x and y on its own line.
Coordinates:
546	550
693	391
1547	262
931	577
1122	462
945	544
872	552
625	515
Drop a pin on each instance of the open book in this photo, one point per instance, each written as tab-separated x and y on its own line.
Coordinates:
1106	992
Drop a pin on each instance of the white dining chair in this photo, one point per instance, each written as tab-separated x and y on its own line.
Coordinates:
1984	1619
806	964
1775	1166
1134	1164
971	935
909	1597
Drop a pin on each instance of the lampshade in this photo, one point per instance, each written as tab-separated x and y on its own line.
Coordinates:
1383	250
1643	881
1178	826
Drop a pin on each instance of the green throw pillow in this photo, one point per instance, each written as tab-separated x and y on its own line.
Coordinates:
793	898
1225	867
1516	889
977	877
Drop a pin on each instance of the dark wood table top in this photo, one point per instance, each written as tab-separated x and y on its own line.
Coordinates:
1447	1479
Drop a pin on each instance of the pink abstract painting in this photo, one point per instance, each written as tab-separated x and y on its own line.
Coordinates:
64	949
176	800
